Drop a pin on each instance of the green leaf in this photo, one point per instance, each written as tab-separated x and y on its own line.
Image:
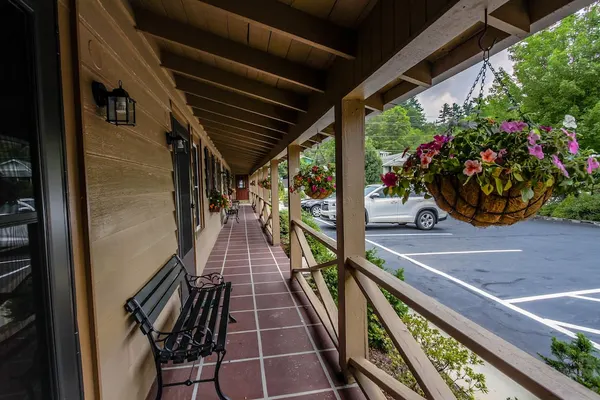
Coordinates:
508	185
550	182
518	176
499	185
497	172
526	194
427	196
487	188
386	190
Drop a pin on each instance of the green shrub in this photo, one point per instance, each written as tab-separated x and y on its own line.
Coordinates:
584	206
577	361
548	209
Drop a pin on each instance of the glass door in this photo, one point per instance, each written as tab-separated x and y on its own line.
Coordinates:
38	339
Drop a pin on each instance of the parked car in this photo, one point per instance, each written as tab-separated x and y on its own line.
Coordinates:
382	208
312	206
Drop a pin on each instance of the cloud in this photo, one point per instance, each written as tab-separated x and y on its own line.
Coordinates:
456	88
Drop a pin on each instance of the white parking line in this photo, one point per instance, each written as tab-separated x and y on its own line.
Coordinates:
440	253
551	296
410	234
576	296
483	293
576	327
14	272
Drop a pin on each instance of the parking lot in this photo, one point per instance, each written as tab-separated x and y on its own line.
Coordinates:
525	283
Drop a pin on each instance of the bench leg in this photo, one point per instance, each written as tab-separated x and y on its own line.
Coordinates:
231	319
220	358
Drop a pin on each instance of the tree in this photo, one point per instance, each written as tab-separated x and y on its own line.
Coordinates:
456	112
445	113
576	360
373	164
497	104
558	71
415	112
393	130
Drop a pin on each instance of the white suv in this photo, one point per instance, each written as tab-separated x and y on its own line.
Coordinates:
381	208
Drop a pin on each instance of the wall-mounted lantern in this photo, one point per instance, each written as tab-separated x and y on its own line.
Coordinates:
179	144
120	108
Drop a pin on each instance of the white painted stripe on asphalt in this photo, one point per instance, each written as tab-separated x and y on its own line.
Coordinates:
576	327
483	293
14	272
584	297
325	222
14	261
439	253
551	296
410	234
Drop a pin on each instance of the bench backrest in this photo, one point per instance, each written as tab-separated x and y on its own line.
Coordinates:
148	303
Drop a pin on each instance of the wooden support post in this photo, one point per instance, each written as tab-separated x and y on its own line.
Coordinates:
275	201
295	211
350	182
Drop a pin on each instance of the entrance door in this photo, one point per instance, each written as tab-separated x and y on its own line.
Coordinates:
183	195
241	187
38	330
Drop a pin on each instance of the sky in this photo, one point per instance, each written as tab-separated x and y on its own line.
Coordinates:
455	89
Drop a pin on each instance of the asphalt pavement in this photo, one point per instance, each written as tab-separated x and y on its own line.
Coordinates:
525	283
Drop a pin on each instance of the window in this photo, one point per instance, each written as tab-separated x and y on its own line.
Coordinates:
213	172
197	173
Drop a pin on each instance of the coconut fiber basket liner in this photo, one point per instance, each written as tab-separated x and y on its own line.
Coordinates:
317	195
470	204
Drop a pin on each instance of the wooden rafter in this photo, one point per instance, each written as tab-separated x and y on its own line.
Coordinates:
231	81
419	75
229	50
276	16
236	113
220	128
206	116
237	139
512	17
207	91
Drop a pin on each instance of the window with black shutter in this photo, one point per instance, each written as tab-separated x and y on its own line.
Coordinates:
196	171
207	174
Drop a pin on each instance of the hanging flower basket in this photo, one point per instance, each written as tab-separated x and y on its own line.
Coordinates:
252	183
317	182
265	183
487	174
216	201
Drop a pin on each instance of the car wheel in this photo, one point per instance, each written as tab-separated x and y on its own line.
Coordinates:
316	210
425	220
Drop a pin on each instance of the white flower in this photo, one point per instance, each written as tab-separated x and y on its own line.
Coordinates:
570	122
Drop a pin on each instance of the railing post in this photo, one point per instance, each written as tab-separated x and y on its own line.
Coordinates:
350	181
275	201
260	193
295	211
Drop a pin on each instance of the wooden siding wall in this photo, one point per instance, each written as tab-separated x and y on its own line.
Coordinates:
130	191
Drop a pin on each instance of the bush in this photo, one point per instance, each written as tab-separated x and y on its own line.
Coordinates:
577	361
585	206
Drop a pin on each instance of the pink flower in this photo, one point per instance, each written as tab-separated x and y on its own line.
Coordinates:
323	190
513	126
556	161
472	167
488	156
390	179
536	151
315	168
573	147
592	164
426	159
545	128
329	178
501	155
533	138
314	188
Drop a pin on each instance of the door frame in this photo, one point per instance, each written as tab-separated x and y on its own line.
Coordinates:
59	319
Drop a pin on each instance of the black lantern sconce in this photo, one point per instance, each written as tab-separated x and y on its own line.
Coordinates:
120	108
179	144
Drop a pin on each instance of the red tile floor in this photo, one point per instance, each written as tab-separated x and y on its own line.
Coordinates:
278	348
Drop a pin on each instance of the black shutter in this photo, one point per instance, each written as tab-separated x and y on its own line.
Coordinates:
207	176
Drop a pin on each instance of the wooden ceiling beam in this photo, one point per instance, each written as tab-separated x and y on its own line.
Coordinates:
214	126
207	116
207	91
293	23
512	18
229	50
419	75
397	91
231	81
247	149
232	137
235	113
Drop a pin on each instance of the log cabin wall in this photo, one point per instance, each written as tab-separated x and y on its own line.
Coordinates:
128	182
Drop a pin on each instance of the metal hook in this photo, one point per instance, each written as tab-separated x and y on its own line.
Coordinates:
485	50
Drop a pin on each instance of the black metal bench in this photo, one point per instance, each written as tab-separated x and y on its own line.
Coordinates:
233	211
199	330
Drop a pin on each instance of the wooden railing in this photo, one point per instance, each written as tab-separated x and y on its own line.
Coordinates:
265	216
529	372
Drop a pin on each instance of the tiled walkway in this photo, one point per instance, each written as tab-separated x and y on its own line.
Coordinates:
278	348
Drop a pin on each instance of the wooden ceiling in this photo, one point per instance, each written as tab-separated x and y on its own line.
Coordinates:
260	74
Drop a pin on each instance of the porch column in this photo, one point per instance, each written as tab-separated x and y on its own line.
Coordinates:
261	194
294	209
350	182
275	201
